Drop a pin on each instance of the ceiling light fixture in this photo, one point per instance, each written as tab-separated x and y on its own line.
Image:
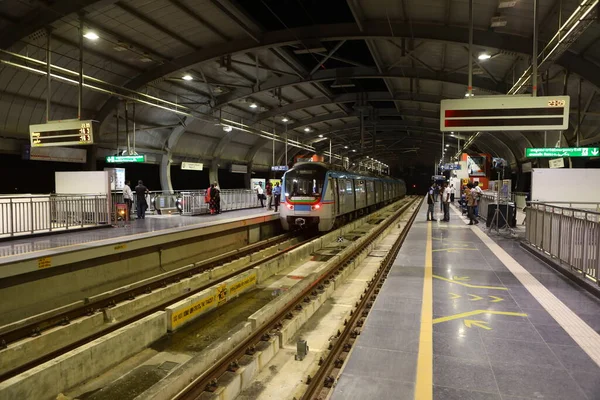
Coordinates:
187	78
307	129
253	105
91	35
447	145
345	147
284	119
484	56
320	136
353	150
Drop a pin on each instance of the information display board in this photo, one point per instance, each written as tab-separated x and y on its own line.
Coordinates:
137	158
63	133
279	167
556	152
505	113
191	166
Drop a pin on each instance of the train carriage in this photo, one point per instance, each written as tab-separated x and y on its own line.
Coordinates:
317	194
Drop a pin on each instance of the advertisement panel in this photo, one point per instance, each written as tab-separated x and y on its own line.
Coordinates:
476	165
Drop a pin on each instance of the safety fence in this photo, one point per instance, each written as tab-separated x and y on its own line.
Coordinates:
571	236
26	215
192	202
518	200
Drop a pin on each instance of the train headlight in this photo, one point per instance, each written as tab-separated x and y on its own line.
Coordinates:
316	207
289	206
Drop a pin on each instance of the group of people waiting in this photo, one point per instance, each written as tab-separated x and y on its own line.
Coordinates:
472	193
272	194
141	193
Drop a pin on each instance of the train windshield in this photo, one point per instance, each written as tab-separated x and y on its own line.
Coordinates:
306	183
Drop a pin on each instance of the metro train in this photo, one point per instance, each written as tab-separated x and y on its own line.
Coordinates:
318	194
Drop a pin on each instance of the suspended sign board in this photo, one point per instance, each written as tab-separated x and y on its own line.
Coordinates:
137	158
451	166
192	166
505	113
58	154
556	152
279	167
62	133
556	163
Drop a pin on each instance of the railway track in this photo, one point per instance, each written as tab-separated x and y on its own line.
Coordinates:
130	292
208	381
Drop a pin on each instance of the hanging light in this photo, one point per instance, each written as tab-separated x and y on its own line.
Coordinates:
284	119
253	105
187	78
307	129
91	35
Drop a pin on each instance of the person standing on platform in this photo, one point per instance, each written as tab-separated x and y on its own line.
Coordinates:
479	193
277	195
430	202
128	198
470	194
446	202
213	193
142	205
217	198
260	193
452	190
269	191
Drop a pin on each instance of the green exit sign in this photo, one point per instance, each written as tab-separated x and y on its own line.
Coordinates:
555	152
138	158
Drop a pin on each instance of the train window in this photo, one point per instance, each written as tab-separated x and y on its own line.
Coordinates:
304	183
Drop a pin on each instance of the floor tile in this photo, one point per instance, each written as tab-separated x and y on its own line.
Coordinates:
506	329
446	393
463	374
404	340
540	382
459	346
555	334
589	383
519	352
382	364
575	359
352	387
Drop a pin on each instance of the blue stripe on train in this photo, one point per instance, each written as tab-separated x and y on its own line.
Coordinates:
301	207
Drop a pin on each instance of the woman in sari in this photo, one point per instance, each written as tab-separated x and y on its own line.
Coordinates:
214	199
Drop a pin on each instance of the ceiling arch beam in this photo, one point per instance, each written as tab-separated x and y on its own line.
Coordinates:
349	31
457	78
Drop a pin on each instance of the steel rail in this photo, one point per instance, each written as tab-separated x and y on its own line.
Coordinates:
208	380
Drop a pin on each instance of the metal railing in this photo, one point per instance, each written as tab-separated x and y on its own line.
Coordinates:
231	199
26	215
191	202
569	235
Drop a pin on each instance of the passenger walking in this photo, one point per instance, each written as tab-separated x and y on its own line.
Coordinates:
128	198
260	193
277	195
470	194
452	190
446	202
142	205
217	198
430	202
269	191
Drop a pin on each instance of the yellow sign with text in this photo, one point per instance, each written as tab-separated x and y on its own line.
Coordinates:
199	304
44	262
242	284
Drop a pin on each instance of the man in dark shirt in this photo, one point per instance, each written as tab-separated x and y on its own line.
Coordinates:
140	194
430	202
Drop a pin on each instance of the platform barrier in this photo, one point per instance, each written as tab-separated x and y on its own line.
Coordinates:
27	215
569	235
231	199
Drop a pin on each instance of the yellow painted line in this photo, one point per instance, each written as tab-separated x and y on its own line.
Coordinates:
496	299
424	385
476	312
469	323
474	297
468	284
454	296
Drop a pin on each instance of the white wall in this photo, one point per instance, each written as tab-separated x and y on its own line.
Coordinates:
565	185
82	182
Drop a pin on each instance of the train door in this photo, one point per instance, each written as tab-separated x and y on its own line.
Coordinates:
341	196
336	196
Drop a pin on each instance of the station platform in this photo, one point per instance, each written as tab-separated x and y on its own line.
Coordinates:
152	229
463	315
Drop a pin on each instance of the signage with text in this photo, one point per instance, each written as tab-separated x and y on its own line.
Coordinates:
556	152
451	166
192	166
137	158
556	163
61	133
279	167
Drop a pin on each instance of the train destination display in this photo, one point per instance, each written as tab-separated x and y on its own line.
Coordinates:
62	133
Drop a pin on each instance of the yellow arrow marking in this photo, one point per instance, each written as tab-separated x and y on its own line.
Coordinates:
476	312
468	284
454	296
496	299
469	323
474	297
461	278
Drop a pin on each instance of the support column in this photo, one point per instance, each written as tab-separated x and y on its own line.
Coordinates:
165	172
213	172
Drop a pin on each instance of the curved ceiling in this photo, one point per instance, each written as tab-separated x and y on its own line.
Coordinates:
321	65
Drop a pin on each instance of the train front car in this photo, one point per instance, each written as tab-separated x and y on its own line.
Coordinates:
306	199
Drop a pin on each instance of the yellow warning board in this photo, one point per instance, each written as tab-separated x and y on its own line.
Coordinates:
44	262
241	285
197	305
